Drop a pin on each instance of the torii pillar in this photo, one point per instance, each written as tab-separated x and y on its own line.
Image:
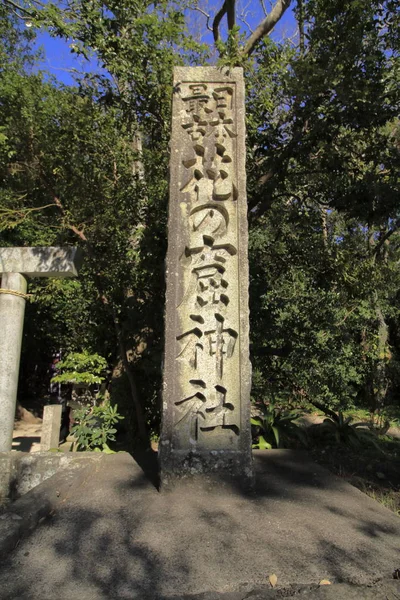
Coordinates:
15	265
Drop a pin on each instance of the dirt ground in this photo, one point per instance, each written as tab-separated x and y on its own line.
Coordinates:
27	431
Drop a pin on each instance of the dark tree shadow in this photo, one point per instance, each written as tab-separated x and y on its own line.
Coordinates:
116	536
24	444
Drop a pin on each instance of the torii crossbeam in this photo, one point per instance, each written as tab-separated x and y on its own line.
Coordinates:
16	264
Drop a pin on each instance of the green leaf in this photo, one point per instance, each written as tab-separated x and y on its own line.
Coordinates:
262	444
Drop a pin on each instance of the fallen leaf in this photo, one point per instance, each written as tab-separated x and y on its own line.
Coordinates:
325	582
273	580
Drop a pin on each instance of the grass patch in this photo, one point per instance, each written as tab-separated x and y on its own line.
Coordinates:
375	473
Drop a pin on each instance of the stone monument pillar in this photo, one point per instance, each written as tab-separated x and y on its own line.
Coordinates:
207	371
52	415
15	265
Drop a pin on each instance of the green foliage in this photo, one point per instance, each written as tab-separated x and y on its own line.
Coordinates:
72	171
276	427
323	178
342	430
94	427
230	54
81	367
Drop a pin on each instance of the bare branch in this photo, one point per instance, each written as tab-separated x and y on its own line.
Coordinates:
264	8
242	18
71	70
208	17
217	21
266	26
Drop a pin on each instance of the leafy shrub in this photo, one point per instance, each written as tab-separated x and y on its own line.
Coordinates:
380	423
81	367
276	427
94	428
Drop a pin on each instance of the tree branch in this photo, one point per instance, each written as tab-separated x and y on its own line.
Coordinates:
231	13
57	202
217	21
387	235
265	8
266	26
300	9
18	7
242	18
203	12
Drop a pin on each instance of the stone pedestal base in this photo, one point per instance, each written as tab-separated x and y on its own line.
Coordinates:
224	466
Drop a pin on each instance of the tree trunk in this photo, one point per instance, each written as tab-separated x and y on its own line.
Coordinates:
141	422
300	19
381	383
324	226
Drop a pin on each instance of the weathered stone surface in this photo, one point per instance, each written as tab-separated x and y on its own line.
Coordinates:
44	481
41	261
21	472
51	427
207	376
12	310
301	523
7	474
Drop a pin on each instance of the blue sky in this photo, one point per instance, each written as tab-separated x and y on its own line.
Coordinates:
60	61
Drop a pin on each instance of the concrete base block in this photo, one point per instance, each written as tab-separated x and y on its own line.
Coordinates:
20	472
7	476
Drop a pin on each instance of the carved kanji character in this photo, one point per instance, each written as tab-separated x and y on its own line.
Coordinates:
206	409
198	111
221	344
190	347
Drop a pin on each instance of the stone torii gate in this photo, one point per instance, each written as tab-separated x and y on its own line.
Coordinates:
15	265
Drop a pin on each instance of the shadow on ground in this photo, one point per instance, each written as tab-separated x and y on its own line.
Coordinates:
116	536
24	444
